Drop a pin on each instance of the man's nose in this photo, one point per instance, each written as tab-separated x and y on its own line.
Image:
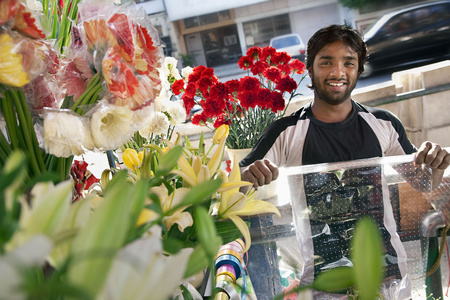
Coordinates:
338	70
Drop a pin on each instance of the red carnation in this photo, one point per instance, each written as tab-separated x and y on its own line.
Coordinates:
218	91
203	85
245	62
232	85
267	53
259	67
178	86
280	58
199	119
272	73
221	121
277	102
248	99
208	72
264	99
188	102
196	73
254	52
297	66
286	84
213	107
190	89
248	84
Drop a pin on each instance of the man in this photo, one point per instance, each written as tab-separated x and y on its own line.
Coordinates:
333	127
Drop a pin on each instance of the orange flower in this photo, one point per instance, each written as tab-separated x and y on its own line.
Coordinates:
8	10
120	36
95	31
25	24
119	77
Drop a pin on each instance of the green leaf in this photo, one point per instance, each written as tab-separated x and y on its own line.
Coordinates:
206	232
172	246
200	192
169	161
105	233
334	280
367	258
186	294
228	231
198	261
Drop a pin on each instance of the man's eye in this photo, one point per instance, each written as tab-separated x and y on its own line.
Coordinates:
350	63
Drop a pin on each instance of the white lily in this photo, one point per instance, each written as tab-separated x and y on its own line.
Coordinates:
195	172
49	207
30	254
141	271
180	217
233	204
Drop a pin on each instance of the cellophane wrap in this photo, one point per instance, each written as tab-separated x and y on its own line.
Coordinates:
320	205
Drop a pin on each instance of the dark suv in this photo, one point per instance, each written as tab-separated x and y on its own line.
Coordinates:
413	35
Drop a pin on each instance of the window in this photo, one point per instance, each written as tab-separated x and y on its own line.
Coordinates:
259	32
207	19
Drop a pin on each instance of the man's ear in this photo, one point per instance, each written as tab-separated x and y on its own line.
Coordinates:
310	72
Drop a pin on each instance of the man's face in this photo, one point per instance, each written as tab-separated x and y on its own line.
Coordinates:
334	73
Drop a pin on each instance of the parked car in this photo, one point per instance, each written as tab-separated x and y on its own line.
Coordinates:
413	35
290	43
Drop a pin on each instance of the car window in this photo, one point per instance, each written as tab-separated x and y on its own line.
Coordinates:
285	42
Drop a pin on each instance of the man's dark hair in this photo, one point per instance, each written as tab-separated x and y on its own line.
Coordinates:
331	34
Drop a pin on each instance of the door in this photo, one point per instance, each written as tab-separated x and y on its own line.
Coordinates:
195	48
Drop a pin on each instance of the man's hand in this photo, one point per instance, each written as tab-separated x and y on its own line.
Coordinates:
260	172
436	157
433	155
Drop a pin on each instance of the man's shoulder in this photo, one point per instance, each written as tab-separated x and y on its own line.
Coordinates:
377	112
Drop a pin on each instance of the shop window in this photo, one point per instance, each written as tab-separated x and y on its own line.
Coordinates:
207	19
259	32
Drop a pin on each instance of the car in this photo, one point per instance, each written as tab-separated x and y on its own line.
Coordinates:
410	36
290	43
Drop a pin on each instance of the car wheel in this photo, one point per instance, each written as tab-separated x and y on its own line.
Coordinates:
368	71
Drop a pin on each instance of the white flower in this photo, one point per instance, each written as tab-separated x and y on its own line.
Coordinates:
171	64
177	113
141	270
66	133
13	264
34	5
186	71
168	71
159	124
111	125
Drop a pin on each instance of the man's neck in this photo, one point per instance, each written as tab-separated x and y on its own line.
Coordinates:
328	113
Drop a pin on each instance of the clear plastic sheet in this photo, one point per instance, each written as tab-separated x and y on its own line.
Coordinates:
320	205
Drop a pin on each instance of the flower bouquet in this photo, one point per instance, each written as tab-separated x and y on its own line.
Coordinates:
247	105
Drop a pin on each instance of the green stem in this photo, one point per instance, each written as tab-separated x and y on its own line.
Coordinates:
91	98
90	86
11	121
27	132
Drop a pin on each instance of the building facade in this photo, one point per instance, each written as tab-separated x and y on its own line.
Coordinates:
215	33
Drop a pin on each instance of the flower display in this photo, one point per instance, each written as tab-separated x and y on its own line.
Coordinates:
247	105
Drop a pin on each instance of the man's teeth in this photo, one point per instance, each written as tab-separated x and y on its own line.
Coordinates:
336	84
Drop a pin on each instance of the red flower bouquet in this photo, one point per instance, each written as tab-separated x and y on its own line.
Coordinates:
247	105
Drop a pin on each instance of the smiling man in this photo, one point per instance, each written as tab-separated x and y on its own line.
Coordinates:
334	128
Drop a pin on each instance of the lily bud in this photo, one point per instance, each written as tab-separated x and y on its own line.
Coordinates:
221	133
131	159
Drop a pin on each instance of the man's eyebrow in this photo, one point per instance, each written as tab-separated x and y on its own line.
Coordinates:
348	57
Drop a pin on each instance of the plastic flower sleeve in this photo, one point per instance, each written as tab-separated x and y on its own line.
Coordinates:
320	205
